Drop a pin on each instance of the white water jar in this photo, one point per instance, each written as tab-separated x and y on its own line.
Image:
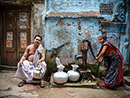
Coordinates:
60	76
73	74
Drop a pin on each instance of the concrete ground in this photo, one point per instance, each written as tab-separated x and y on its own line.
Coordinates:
8	87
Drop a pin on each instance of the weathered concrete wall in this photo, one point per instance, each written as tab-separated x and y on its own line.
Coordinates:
76	5
62	32
36	21
128	33
74	20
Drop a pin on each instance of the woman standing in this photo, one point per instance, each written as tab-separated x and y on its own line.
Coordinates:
113	61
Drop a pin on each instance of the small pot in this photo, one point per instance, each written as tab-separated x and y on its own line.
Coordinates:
37	72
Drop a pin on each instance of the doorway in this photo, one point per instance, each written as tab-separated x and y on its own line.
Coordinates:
15	33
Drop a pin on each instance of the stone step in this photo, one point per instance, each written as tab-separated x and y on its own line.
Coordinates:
92	84
7	66
127	80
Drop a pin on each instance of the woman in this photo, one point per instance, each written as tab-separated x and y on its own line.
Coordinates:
113	61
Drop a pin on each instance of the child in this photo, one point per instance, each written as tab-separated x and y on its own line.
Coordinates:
113	61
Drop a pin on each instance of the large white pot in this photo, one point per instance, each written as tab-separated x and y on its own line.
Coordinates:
73	74
60	76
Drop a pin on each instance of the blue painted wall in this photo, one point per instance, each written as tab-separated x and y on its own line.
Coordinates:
72	21
77	5
128	32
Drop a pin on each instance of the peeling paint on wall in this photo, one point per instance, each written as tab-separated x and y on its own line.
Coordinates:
75	20
58	33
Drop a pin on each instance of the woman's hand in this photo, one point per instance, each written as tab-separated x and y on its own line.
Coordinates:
96	58
96	61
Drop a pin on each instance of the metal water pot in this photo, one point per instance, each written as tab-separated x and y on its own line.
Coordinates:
73	74
60	77
37	72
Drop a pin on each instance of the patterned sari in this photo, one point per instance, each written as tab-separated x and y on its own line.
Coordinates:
114	63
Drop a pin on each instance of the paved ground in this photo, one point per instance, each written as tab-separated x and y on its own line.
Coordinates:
8	86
